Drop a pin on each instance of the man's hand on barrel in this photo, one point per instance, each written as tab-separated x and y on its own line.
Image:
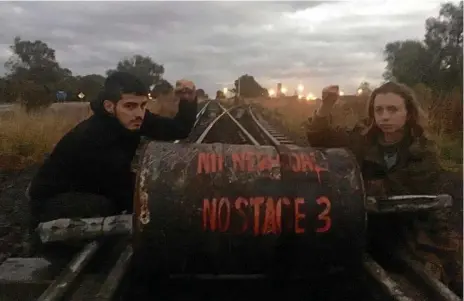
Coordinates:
185	89
330	96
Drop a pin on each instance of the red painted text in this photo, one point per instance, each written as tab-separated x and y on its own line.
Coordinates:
263	215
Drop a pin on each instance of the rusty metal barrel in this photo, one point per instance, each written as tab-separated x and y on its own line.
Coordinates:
242	209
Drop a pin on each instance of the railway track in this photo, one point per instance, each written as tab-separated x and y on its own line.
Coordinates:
102	269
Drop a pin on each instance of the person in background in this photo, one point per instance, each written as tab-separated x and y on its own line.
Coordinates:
394	139
88	173
165	103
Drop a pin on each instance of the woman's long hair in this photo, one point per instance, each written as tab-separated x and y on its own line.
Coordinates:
416	121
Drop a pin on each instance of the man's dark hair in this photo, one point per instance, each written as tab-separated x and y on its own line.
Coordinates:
119	83
115	85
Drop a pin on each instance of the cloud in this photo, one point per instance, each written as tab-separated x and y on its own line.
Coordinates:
315	43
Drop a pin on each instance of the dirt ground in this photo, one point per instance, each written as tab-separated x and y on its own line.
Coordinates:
452	183
14	211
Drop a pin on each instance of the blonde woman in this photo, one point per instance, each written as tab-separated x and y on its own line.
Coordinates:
393	138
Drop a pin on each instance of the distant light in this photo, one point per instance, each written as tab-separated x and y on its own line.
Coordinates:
283	90
310	96
341	93
149	96
360	91
224	90
300	88
271	92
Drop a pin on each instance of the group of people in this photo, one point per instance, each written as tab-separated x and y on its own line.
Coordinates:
89	171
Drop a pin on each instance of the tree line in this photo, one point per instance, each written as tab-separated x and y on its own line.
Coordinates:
435	61
34	76
433	66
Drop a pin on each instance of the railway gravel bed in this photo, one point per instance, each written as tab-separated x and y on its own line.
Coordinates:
14	211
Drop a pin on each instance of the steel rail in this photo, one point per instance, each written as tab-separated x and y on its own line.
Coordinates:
226	112
242	129
199	116
273	135
69	275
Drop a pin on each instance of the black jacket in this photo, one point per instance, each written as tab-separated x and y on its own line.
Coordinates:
95	156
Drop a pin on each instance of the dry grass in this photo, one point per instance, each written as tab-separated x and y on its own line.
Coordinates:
294	114
25	138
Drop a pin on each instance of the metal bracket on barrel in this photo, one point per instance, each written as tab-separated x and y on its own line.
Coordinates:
407	203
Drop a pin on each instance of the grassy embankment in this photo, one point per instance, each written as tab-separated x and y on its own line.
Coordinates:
25	138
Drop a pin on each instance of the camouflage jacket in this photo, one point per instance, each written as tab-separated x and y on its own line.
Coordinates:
417	165
417	171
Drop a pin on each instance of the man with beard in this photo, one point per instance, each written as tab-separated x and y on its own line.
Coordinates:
89	174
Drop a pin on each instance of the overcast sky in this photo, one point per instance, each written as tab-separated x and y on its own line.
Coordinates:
212	43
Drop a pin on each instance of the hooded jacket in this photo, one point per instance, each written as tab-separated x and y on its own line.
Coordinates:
95	156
